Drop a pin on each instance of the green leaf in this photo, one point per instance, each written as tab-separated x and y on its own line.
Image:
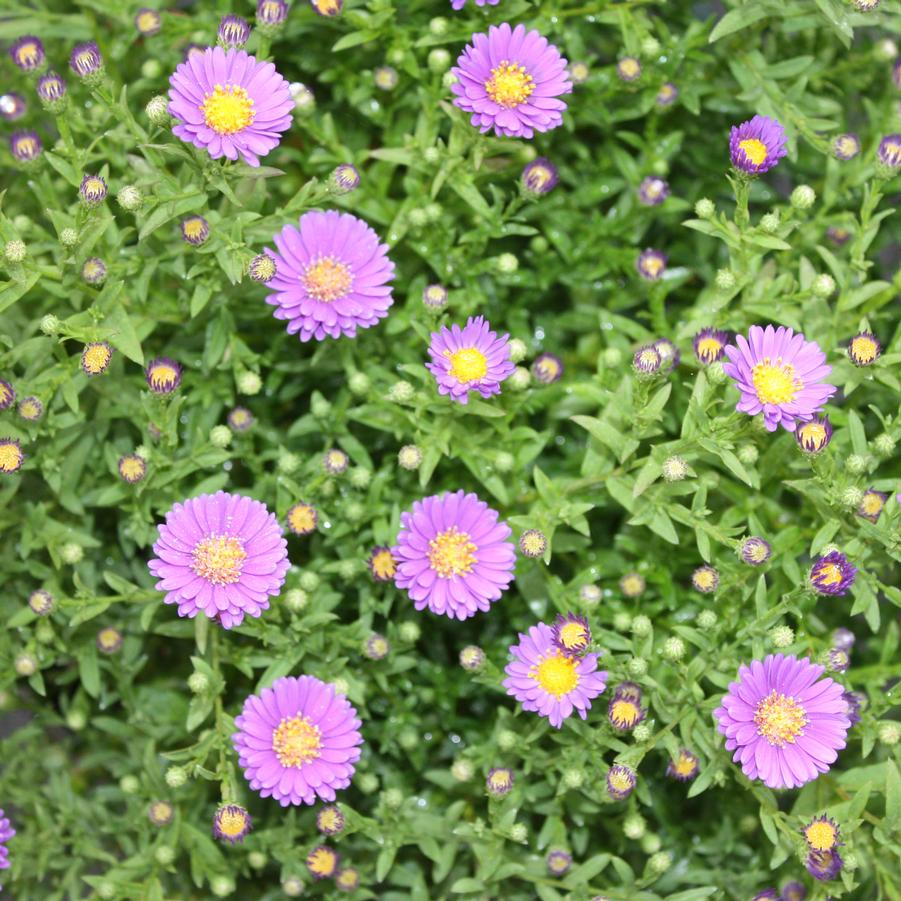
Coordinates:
738	19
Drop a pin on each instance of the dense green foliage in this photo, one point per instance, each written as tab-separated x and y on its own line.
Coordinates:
580	459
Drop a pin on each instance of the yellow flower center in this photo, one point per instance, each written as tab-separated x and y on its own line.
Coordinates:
162	375
327	279
193	228
620	780
84	61
132	467
629	67
28	54
219	559
685	765
780	719
755	150
624	713
813	433
891	148
704	579
709	349
509	85
228	109
96	358
864	349
533	543
232	821
26	146
147	20
548	368
499	780
468	365
302	518
296	741
872	504
29	409
847	145
108	638
384	565
821	835
329	819
652	265
775	382
347	878
573	635
538	177
632	585
93	185
5	393
322	862
327	7
451	553
10	457
557	674
829	574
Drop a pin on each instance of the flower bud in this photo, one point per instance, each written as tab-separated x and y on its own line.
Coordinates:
220	436
438	26
884	445
439	59
748	454
769	223
409	631
782	636
520	379
292	886
673	648
803	197
650	843
519	832
49	324
660	862
309	581
716	375
71	553
129	784
15	251
517	349
409	457
637	666
222	886
431	155
889	734
504	461
164	855
296	600
198	683
706	619
68	237
507	740
287	462
641	626
823	285
257	859
176	777
573	777
674	469
856	464
705	208
506	263
157	110
130	198
358	383
852	497
249	383
401	392
25	665
462	769
634	826
724	280
642	732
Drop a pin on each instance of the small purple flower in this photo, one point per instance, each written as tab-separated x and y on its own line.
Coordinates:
547	368
832	574
6	833
670	355
42	604
51	88
653	191
344	179
160	813
628	69
109	640
499	781
31	408
12	106
163	375
195	230
824	866
710	345
547	681
472	658
647	360
382	565
814	436
434	297
330	820
755	551
838	235
539	176
459	4
7	395
846	146
624	712
222	555
511	80
855	701
685	767
889	151
27	53
298	741
667	95
872	504
468	359
767	894
93	190
230	104
377	647
572	634
262	268
385	78
322	862
453	555
233	32
578	72
533	543
838	660
621	781
86	60
779	374
333	276
335	461
793	891
148	22
240	419
93	271
327	7
231	823
757	145
11	455
132	468
559	862
25	146
651	264
864	349
843	638
783	722
271	13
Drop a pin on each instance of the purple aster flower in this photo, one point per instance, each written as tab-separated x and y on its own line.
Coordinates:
511	80
6	833
864	349
31	408
11	455
632	584
347	879
25	146
330	820
652	191
472	658
86	60
132	468
195	230
667	95
233	32
499	781
846	146
843	638
685	767
51	88
163	375
93	189
533	543
670	355
651	264
767	894
160	813
838	660
539	176
327	7
896	73
271	13
710	345
332	276
855	701
41	603
376	647
382	565
220	554
7	395
302	519
459	4
838	235
832	574
12	106
453	555
757	145
93	271
344	179
335	461
578	72
229	104
783	722
547	681
824	866
628	69
624	712
872	504
468	359
571	634
322	862
27	53
434	297
778	373
298	741
647	360
262	268
559	862
755	551
889	151
385	78
620	782
547	368
240	419
793	891
148	22
814	436
231	823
